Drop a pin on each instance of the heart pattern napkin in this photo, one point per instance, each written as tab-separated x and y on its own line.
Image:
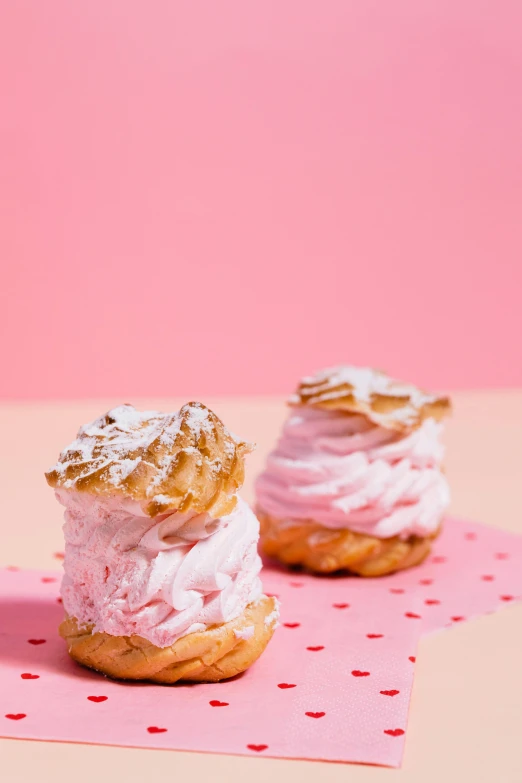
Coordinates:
334	683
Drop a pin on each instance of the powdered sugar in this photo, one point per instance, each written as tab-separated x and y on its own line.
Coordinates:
273	618
244	633
364	385
165	459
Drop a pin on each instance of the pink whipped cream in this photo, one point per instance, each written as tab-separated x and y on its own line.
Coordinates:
344	471
160	578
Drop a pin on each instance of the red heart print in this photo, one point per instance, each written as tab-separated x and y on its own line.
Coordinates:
487	578
431	602
48	579
438	559
357	673
16	715
27	676
285	685
394	732
470	536
217	703
296	584
257	748
37	641
374	635
426	582
59	600
155	730
291	625
389	693
506	597
97	699
502	555
316	649
59	555
458	619
412	615
341	606
315	714
396	590
412	658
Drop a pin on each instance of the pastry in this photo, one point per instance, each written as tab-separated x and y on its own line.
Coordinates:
161	566
356	481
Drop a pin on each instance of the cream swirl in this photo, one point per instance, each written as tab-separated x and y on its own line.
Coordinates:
162	578
343	471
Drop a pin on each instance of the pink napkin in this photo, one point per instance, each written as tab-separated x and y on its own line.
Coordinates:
334	683
474	570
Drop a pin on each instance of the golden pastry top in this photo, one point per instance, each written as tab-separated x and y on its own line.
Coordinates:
373	394
165	461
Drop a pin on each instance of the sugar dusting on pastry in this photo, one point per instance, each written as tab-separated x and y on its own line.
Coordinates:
185	460
244	633
382	399
161	563
273	618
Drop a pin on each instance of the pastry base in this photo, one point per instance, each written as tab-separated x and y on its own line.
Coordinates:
205	656
324	551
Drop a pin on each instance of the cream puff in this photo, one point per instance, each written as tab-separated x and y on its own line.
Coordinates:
161	565
355	482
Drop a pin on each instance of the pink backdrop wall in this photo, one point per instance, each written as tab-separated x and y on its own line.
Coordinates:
216	197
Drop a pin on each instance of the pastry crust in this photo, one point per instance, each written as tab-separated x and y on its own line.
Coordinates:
216	654
383	400
186	461
325	551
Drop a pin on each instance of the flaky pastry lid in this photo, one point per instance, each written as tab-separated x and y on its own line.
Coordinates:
164	461
381	399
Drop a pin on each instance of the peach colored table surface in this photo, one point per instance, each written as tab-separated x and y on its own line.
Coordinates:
466	709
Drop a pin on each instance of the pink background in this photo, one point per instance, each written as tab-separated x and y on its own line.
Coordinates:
215	198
